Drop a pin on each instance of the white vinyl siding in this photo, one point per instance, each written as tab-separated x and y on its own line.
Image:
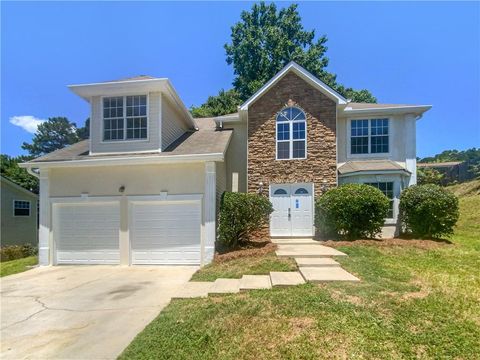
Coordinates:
172	124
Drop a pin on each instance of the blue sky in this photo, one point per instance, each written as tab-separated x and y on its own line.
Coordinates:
410	52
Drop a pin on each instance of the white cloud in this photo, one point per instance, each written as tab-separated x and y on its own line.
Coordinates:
27	122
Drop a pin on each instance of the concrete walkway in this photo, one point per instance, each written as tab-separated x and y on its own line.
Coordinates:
314	263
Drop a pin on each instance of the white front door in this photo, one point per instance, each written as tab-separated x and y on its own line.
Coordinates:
293	210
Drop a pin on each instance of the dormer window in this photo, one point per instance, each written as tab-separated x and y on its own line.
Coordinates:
125	118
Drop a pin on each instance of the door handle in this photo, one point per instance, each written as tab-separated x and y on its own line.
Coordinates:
289	214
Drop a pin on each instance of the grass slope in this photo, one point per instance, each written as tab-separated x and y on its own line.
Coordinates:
17	266
411	303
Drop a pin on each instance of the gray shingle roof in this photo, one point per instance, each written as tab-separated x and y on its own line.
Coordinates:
370	165
202	142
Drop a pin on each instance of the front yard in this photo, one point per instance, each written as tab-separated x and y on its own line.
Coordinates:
412	302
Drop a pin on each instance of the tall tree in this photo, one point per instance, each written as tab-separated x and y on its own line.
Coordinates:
225	102
53	134
84	132
263	42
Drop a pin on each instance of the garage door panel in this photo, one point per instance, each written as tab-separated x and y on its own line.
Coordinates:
87	233
166	233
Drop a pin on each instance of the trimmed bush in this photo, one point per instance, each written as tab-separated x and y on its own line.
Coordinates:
240	215
351	211
13	252
428	211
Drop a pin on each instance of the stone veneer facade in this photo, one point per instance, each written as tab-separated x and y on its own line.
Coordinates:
320	166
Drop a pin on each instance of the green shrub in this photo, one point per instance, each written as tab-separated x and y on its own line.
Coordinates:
13	252
428	211
351	211
240	215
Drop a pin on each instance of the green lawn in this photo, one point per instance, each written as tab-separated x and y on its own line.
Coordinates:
411	303
17	266
259	265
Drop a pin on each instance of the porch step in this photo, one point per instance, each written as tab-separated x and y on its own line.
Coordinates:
294	241
315	262
314	250
331	273
287	278
251	282
225	286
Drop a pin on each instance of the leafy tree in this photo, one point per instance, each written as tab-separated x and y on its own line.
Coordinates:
429	176
53	134
84	132
225	102
10	169
263	42
471	156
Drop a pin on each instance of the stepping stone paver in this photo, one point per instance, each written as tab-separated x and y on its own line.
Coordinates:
311	262
331	273
287	278
225	286
315	250
299	241
193	289
250	282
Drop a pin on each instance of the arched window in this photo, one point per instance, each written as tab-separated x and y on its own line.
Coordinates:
291	134
301	191
280	192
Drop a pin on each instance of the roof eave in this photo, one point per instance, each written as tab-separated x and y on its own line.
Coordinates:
375	172
143	160
416	109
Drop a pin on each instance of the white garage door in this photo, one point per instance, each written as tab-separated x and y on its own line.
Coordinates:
165	232
86	233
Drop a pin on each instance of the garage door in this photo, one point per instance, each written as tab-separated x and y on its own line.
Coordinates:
165	232
86	233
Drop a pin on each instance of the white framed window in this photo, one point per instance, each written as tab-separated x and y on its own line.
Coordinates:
369	136
291	134
125	118
386	187
21	208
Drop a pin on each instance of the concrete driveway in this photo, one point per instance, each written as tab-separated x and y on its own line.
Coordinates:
82	312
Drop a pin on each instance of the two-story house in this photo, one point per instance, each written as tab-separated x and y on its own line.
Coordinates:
145	188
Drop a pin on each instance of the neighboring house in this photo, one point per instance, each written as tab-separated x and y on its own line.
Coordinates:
452	170
145	188
19	214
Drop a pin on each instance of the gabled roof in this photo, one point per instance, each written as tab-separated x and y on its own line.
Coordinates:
18	187
362	166
304	74
439	164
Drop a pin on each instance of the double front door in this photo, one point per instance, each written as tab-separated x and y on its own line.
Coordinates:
293	209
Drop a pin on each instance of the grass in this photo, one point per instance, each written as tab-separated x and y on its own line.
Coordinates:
411	303
17	266
259	265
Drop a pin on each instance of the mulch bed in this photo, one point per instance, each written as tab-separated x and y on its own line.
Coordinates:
421	244
253	249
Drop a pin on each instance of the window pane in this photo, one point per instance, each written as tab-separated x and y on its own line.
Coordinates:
359	145
387	189
298	149
280	192
283	131
283	150
299	130
296	114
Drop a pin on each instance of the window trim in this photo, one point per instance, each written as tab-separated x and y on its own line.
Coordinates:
369	154
124	140
391	201
29	208
290	129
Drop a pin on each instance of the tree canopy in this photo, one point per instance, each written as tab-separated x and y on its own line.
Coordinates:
471	156
53	134
262	43
9	168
